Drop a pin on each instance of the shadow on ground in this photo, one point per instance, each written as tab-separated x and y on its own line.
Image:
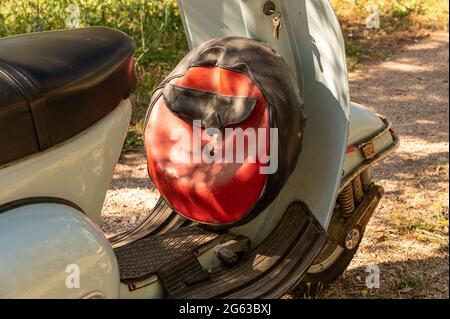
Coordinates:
396	280
408	235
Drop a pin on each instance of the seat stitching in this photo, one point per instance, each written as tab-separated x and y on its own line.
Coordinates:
25	87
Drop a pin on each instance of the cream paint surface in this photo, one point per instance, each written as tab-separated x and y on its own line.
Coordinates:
79	170
37	244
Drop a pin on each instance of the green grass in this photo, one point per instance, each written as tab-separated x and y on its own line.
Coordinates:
155	26
412	282
312	291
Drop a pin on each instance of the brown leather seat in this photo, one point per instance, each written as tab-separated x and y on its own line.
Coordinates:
54	85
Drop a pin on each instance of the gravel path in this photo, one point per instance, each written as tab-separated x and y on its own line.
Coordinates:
408	235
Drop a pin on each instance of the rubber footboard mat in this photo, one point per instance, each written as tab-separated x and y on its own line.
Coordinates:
160	220
150	255
274	267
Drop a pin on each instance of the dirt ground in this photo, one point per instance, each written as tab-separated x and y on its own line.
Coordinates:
408	235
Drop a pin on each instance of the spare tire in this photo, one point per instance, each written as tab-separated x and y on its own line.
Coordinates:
245	91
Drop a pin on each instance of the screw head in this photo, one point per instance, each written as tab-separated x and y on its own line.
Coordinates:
352	239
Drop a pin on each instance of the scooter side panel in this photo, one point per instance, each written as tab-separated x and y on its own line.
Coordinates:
78	170
364	124
311	42
54	251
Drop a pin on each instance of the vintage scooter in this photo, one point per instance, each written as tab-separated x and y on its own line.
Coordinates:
219	230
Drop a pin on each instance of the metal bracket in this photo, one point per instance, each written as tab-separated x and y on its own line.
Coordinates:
368	150
363	213
231	251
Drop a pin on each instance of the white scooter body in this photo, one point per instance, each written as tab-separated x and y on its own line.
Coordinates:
311	43
80	169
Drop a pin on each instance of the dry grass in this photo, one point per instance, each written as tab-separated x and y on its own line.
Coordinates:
395	14
400	21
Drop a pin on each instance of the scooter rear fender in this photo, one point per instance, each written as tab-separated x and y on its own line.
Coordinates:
51	250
